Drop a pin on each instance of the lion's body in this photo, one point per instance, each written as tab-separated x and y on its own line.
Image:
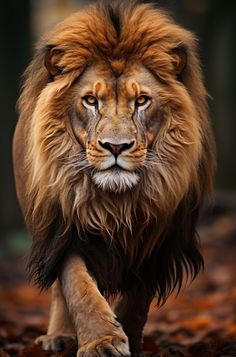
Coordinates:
133	226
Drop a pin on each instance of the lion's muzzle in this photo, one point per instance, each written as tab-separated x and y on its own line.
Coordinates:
116	149
115	173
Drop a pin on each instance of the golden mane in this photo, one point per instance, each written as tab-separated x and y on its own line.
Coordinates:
116	34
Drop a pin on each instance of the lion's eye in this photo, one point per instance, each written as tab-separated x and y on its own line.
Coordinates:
141	101
90	100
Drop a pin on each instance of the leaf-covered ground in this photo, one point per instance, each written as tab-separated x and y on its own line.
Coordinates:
200	322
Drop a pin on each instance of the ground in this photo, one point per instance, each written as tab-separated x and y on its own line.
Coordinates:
199	322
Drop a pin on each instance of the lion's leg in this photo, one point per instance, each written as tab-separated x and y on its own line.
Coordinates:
98	331
60	328
132	311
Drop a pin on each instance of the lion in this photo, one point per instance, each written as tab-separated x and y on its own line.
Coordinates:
113	157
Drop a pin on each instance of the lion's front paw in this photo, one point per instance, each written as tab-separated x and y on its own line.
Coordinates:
54	342
107	346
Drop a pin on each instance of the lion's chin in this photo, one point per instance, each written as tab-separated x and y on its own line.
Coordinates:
116	180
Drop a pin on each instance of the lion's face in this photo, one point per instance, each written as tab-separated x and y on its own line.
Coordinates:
115	120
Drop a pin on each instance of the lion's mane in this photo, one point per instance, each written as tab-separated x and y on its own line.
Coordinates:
147	231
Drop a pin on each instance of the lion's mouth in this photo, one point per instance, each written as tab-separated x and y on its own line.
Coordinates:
114	168
116	179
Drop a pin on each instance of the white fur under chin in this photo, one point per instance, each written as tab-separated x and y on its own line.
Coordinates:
115	180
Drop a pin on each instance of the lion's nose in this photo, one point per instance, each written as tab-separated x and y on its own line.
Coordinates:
116	149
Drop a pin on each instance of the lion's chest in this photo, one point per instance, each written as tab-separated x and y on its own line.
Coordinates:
110	265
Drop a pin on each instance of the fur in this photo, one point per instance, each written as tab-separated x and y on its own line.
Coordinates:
142	235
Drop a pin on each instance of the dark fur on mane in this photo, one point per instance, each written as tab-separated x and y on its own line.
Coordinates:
114	17
114	11
176	253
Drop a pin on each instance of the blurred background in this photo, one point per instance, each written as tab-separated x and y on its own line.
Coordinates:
207	311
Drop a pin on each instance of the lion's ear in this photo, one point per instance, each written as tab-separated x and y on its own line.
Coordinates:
52	59
179	60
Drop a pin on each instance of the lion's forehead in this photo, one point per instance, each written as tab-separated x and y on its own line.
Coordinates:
101	81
